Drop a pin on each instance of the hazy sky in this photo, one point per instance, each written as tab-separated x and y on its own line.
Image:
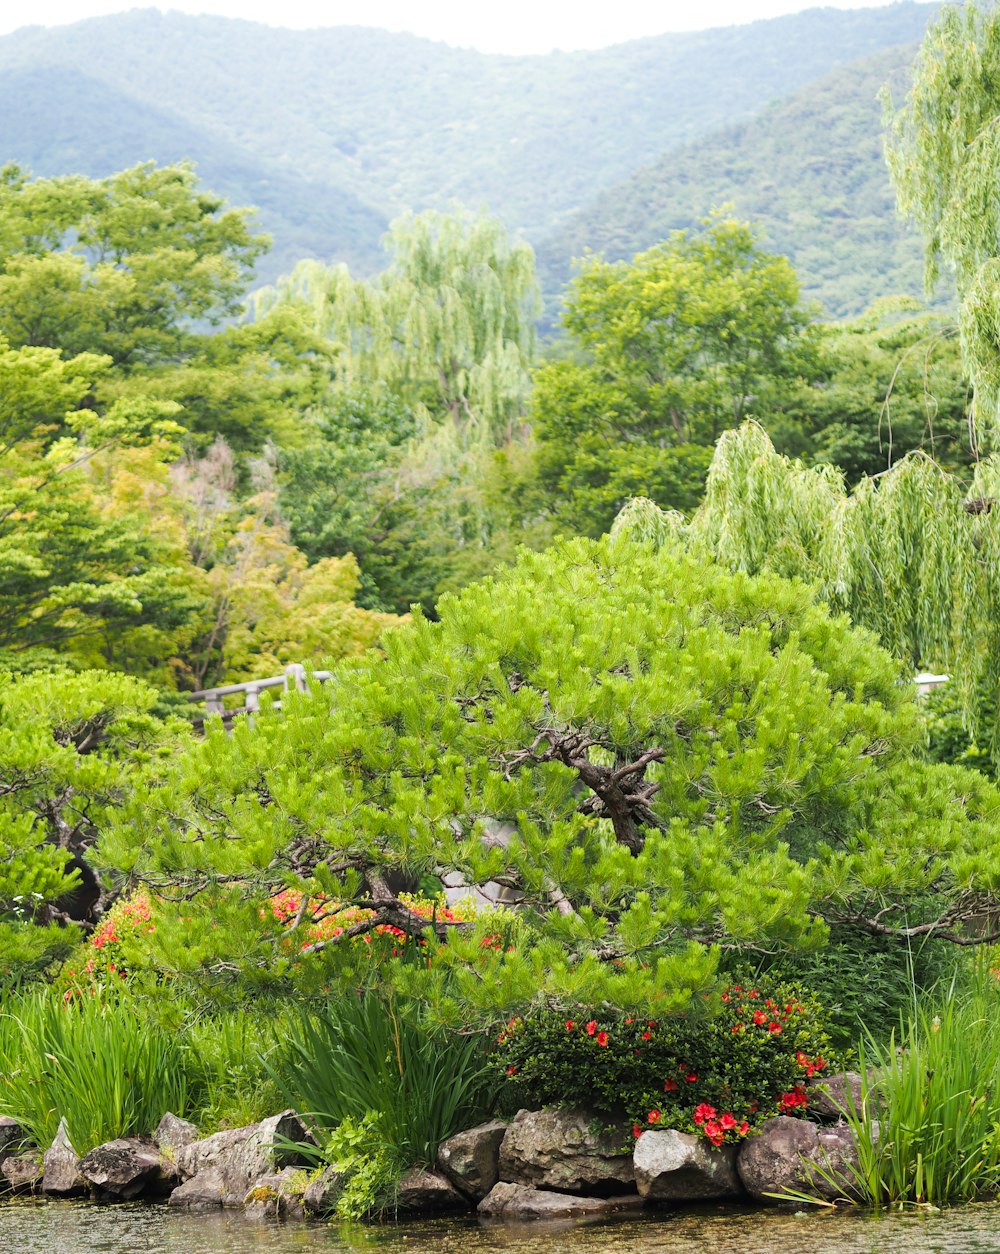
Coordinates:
500	26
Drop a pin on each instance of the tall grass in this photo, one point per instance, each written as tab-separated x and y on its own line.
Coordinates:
365	1057
97	1061
928	1130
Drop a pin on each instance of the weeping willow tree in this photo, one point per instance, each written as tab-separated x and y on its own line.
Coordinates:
448	326
943	149
907	554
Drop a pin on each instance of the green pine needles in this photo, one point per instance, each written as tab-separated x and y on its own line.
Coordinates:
658	758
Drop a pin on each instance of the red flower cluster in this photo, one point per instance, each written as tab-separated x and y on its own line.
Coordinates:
811	1066
793	1098
716	1126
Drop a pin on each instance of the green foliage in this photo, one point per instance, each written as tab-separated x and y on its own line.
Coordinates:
674	347
943	155
100	1063
928	1129
381	1059
120	267
745	1057
675	755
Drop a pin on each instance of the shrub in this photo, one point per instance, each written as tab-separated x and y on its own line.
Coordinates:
717	1074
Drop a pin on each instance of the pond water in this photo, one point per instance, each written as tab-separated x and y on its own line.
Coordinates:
65	1228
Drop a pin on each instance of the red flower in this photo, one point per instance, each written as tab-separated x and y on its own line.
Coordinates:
691	1078
592	1027
725	996
703	1112
654	1116
647	1036
775	1029
570	1025
602	1038
744	1128
795	1097
759	1017
670	1086
737	1029
636	1130
714	1133
512	1071
727	1122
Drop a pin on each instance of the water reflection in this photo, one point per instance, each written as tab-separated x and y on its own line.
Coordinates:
64	1228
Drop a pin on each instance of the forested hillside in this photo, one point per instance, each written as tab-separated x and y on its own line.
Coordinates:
332	132
810	170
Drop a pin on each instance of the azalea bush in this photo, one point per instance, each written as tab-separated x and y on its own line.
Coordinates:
718	1074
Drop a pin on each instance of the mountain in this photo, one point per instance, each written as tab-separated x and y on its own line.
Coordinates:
340	128
810	169
57	120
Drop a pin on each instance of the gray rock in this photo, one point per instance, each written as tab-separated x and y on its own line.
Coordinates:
421	1192
677	1167
555	1149
280	1194
12	1136
471	1160
173	1134
798	1156
61	1172
835	1096
22	1172
123	1168
205	1191
243	1155
323	1193
518	1201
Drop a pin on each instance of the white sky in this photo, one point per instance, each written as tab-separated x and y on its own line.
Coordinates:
517	26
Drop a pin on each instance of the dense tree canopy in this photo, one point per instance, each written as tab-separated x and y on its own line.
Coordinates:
658	758
673	348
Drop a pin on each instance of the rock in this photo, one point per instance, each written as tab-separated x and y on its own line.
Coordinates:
123	1168
278	1194
555	1149
471	1159
61	1172
173	1134
12	1136
421	1192
677	1167
518	1201
22	1172
204	1191
832	1097
243	1155
323	1193
785	1156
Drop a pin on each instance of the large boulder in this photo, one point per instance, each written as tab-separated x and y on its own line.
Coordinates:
12	1136
173	1134
241	1156
61	1167
205	1191
125	1168
421	1192
280	1194
323	1193
677	1167
21	1173
519	1201
471	1159
833	1097
795	1156
555	1149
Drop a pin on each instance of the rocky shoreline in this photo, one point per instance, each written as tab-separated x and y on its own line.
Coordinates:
541	1164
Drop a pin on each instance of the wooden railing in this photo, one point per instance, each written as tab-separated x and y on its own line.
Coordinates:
214	699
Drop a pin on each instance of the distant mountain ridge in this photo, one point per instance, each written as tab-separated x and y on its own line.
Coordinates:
333	132
809	169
